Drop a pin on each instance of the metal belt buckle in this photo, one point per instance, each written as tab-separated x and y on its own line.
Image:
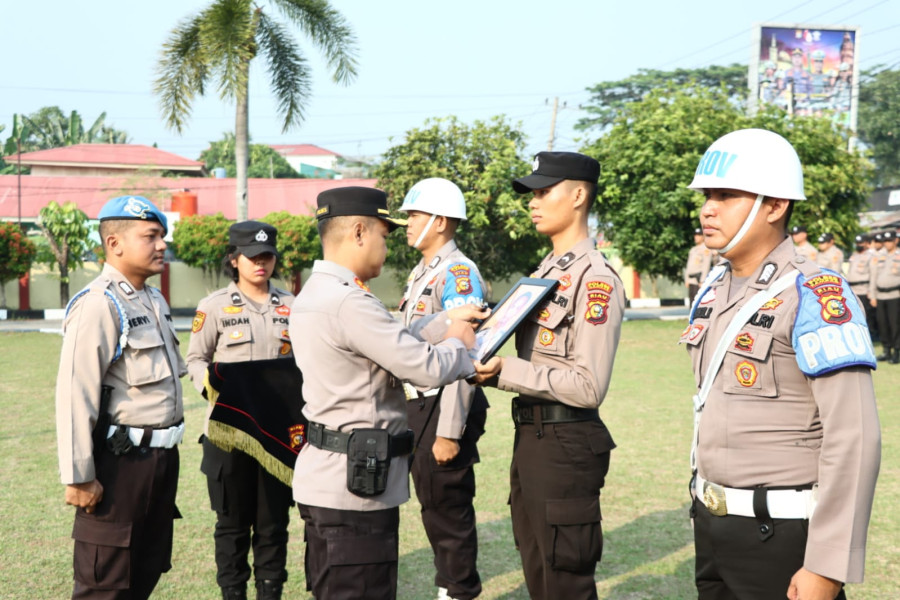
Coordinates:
714	499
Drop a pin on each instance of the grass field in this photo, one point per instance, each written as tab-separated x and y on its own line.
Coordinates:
648	551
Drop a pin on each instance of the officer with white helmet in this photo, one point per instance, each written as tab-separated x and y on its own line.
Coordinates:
447	423
787	444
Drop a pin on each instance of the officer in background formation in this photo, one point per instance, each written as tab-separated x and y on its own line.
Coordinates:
119	411
248	320
787	443
565	352
802	245
859	275
352	475
698	264
830	256
450	427
884	295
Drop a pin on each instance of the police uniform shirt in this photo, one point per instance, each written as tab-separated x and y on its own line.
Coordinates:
859	272
449	281
766	424
145	379
231	328
885	283
354	355
698	264
567	346
832	259
807	251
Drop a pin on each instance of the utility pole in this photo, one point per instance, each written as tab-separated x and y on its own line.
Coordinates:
553	124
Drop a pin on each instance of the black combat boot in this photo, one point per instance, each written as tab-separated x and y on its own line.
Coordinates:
887	354
895	357
268	589
234	592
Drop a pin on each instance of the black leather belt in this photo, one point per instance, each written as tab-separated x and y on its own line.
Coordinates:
336	441
858	282
890	289
523	414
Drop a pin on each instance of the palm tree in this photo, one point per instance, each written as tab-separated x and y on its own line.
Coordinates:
219	43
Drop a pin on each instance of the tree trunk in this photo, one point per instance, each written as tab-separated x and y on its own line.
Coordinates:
242	147
63	285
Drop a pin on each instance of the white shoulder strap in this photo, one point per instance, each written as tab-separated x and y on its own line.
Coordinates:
737	322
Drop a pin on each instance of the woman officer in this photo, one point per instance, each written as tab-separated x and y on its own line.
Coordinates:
246	321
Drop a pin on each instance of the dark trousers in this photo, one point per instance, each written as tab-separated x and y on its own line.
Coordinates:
871	317
555	479
252	510
888	312
123	548
351	555
734	563
446	492
693	288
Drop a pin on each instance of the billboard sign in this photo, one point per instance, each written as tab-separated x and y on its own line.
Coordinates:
806	70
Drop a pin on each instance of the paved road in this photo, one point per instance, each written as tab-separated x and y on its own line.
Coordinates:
184	323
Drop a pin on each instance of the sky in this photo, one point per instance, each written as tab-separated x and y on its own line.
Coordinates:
418	59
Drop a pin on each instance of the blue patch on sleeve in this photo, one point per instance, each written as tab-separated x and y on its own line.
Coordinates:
830	331
462	286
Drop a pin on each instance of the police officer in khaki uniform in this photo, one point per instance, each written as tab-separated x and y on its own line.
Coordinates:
830	256
352	475
246	321
565	351
787	443
884	295
119	411
803	247
859	275
698	264
446	430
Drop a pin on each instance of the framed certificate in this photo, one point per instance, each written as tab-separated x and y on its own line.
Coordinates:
512	309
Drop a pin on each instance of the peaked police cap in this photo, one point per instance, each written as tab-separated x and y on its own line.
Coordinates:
353	201
549	168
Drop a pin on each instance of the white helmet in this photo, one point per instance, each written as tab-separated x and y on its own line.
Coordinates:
436	196
752	160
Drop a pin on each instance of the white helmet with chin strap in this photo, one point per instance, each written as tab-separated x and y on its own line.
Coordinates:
437	197
751	160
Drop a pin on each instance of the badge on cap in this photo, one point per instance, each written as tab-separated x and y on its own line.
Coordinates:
536	164
136	208
262	236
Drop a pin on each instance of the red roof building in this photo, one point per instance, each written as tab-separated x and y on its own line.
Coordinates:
105	160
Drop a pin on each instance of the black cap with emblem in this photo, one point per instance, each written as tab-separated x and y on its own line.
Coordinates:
549	168
826	237
356	201
252	238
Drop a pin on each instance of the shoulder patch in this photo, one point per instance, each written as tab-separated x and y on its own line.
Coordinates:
830	331
598	295
197	323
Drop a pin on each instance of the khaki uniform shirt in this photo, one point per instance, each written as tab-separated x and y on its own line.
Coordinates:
354	356
427	292
859	272
885	283
567	346
698	264
145	379
229	328
767	424
832	259
807	251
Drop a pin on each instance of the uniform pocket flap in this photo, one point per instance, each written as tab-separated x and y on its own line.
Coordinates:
143	338
237	335
752	343
573	511
601	442
101	533
550	315
363	550
692	334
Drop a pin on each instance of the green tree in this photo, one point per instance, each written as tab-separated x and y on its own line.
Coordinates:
649	155
879	122
482	159
609	98
201	241
16	255
218	45
265	162
49	127
298	242
67	233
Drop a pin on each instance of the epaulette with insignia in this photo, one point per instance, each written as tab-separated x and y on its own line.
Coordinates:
830	331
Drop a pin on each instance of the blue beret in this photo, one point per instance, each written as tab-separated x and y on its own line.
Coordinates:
134	208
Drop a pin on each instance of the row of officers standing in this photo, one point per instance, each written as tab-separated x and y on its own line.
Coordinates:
387	397
873	272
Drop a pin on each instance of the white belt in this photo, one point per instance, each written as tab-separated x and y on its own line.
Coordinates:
782	504
160	438
412	393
